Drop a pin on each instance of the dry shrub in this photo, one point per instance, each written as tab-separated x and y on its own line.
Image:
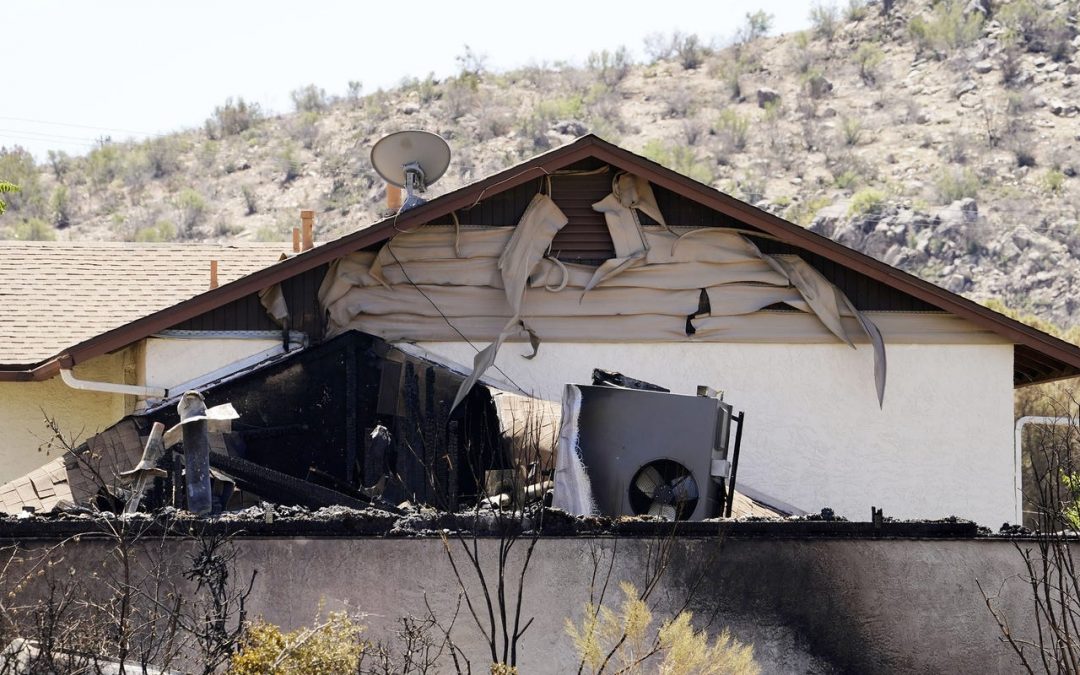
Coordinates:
627	640
332	647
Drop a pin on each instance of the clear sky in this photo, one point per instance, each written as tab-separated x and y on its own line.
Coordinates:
75	71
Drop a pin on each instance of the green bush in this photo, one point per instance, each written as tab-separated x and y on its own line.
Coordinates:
563	108
233	118
427	89
163	156
803	213
856	10
104	164
729	71
458	97
1053	182
946	30
825	19
659	46
1037	29
60	163
61	207
192	211
847	179
353	91
304	129
691	53
680	158
756	25
32	229
733	130
17	168
288	164
954	184
751	187
471	68
611	67
851	130
869	57
310	99
162	230
867	202
679	101
226	229
251	204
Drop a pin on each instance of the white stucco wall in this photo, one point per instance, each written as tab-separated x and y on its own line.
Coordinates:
815	437
168	361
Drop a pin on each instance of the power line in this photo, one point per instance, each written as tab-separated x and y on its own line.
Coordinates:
45	135
76	126
16	138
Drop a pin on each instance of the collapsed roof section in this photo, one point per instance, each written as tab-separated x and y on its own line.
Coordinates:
352	422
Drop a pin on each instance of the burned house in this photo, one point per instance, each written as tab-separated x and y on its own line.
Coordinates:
859	384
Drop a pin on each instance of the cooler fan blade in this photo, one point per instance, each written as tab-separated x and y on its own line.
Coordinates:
665	511
684	489
648	479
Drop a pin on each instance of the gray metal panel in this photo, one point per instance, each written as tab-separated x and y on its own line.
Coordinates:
621	430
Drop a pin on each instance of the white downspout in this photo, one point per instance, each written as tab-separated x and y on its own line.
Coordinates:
111	387
1018	443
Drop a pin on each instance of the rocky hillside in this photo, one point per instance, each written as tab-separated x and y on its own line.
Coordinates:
942	137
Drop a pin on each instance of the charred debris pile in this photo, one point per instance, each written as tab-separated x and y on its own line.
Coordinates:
356	437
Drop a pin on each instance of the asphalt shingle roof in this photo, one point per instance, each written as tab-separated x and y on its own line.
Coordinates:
56	294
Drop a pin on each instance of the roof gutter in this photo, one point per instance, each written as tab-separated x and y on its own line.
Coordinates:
111	387
38	373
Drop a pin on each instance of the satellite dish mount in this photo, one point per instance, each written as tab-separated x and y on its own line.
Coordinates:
414	183
412	160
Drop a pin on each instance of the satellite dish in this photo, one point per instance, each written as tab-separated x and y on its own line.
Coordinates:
412	160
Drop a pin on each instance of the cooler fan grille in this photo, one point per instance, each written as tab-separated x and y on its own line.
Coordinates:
664	488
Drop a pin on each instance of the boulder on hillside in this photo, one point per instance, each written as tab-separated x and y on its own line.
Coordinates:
767	96
570	128
827	218
818	86
960	212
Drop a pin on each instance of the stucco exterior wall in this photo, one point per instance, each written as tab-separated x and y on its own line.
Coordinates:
815	437
169	361
808	606
79	414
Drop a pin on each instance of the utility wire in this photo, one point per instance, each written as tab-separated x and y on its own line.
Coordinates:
45	134
75	126
17	139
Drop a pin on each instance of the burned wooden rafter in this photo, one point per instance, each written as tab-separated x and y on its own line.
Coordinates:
282	488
